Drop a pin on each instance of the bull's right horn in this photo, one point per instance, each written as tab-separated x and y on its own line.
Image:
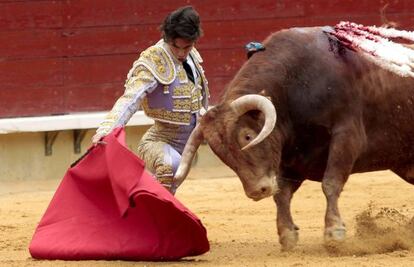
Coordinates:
190	149
246	103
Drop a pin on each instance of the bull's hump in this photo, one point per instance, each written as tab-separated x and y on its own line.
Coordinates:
311	30
314	37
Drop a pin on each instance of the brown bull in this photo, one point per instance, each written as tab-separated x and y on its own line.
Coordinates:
337	114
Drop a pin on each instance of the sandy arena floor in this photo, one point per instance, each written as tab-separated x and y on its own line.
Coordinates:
377	206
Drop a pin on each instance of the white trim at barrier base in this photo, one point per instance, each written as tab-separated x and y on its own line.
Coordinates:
75	121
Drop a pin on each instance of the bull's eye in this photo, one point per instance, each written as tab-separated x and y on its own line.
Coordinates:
245	136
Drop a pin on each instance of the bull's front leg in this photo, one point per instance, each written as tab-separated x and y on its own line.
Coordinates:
344	148
287	230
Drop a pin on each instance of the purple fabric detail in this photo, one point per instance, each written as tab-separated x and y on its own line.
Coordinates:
171	157
182	136
179	137
157	99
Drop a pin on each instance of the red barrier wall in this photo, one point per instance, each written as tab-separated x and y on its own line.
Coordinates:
67	56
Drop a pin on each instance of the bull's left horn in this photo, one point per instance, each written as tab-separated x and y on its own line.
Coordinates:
246	103
189	151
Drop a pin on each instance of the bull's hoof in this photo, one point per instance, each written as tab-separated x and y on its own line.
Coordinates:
335	234
288	239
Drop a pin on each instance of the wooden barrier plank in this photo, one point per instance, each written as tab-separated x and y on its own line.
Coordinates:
236	34
31	44
86	13
133	39
128	39
223	62
357	7
399	6
97	70
30	14
402	20
24	74
43	100
342	8
217	86
218	10
110	40
97	97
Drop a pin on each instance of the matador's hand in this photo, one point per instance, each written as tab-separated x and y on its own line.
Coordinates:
96	139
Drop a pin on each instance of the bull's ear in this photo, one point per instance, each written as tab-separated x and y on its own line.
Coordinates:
209	115
254	114
215	112
263	93
257	118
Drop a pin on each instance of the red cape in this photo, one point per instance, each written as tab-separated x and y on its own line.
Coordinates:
108	207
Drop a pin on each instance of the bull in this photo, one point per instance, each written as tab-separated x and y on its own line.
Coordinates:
338	113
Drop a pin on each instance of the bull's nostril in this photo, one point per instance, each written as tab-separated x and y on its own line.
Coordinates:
263	189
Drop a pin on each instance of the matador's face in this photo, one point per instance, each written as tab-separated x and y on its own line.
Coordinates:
181	48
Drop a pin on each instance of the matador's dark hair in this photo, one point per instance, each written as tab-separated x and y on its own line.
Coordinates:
182	23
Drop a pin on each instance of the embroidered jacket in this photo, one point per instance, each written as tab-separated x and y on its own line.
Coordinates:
160	84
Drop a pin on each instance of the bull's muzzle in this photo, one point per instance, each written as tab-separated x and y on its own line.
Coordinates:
266	188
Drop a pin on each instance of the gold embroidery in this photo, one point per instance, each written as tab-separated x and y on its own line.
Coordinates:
182	90
159	63
183	104
182	75
203	77
153	154
166	115
196	100
195	54
162	171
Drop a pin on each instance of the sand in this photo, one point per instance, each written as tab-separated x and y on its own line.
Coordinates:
377	208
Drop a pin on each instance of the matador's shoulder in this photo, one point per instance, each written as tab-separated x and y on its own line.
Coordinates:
196	55
157	60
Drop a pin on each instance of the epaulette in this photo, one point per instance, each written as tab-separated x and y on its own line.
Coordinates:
194	53
158	62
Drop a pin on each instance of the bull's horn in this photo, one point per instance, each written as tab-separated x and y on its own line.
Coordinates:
190	149
246	103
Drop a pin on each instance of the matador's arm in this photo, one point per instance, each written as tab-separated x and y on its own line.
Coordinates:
140	83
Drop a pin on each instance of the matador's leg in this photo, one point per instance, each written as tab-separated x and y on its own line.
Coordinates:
165	169
162	160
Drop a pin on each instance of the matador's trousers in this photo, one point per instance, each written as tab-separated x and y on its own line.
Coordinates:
161	148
